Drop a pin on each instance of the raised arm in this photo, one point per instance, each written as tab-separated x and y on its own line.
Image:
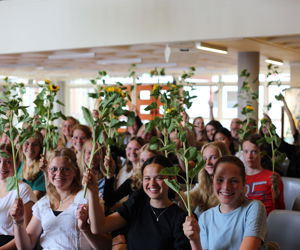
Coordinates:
25	238
192	232
96	241
290	116
99	223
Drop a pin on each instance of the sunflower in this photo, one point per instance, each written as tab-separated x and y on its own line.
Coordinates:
47	81
249	107
54	88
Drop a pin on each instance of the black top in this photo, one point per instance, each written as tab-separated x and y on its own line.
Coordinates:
145	231
111	196
56	213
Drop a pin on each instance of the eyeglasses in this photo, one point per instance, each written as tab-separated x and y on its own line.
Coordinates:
64	170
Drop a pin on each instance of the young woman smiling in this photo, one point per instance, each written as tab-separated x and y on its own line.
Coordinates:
153	221
53	222
7	198
132	160
97	163
66	133
81	134
202	197
29	170
236	223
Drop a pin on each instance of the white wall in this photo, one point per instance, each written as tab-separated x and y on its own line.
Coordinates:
37	25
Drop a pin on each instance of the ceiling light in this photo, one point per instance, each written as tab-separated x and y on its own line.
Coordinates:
71	56
211	48
120	61
156	65
274	61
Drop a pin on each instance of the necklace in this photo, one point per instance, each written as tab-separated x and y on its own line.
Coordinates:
64	200
157	217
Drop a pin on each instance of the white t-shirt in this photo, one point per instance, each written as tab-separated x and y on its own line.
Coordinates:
60	232
6	221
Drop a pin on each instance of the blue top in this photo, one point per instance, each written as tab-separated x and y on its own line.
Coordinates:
37	184
227	230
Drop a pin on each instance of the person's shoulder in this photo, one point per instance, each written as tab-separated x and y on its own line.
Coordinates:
209	212
253	205
178	210
43	202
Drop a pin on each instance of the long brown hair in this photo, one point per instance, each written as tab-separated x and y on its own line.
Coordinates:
75	185
203	196
83	165
30	172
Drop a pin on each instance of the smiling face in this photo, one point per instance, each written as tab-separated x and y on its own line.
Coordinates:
78	139
210	131
6	167
144	156
132	151
67	127
199	125
61	173
210	156
222	138
228	186
153	182
32	148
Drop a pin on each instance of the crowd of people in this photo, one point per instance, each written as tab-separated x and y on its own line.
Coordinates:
128	204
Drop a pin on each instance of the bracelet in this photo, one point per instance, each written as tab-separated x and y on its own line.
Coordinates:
18	222
119	243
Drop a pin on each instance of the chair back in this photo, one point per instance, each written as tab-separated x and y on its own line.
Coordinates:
283	228
296	206
291	189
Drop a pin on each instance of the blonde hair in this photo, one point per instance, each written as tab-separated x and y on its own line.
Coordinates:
203	195
62	140
83	165
75	187
30	172
136	178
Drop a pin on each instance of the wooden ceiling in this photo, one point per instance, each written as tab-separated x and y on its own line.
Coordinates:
48	65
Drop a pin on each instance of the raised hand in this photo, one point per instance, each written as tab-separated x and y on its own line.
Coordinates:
82	217
17	211
110	165
191	228
90	180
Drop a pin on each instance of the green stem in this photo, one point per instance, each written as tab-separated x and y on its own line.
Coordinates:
45	149
13	154
90	161
108	153
165	135
188	198
273	151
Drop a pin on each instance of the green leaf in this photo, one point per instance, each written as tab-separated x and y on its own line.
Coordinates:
173	184
169	147
88	116
93	95
170	171
195	170
153	105
4	154
279	97
153	146
191	153
60	103
11	183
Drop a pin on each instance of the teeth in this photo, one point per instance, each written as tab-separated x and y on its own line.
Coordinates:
153	189
226	193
